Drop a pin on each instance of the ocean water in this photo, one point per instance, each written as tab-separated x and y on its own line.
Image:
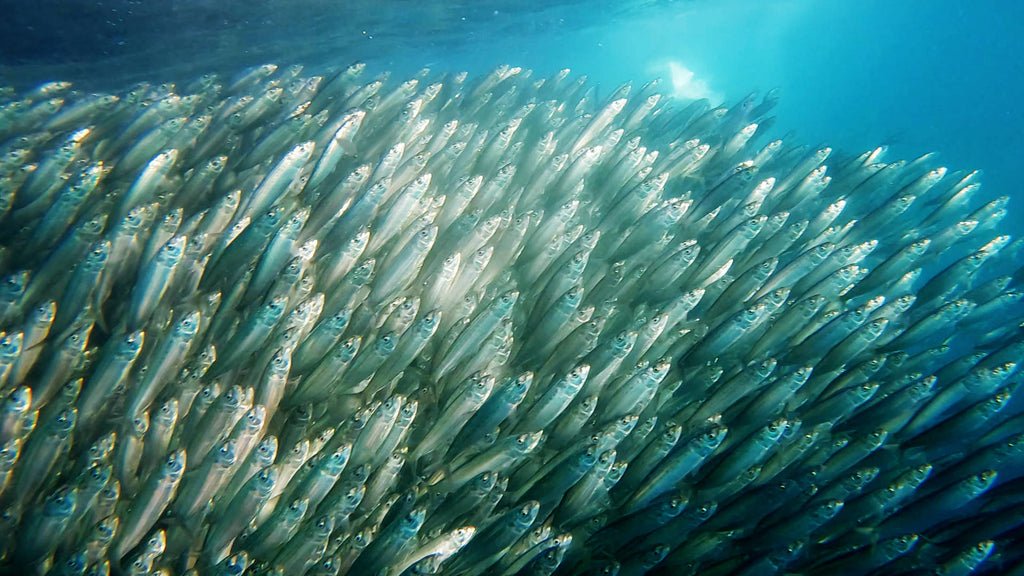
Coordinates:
918	76
915	76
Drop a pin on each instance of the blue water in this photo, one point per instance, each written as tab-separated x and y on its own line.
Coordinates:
916	75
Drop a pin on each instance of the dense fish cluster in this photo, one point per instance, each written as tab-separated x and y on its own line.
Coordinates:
327	325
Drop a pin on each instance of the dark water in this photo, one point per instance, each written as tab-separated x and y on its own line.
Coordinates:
104	41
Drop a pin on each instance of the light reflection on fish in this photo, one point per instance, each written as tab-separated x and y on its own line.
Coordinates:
323	325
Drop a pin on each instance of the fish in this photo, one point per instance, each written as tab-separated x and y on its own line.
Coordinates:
307	321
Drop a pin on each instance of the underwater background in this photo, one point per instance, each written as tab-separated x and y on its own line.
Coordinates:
916	75
657	372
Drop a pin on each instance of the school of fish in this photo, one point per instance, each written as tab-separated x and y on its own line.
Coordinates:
330	324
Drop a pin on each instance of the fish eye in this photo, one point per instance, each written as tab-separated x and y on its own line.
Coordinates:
265	447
